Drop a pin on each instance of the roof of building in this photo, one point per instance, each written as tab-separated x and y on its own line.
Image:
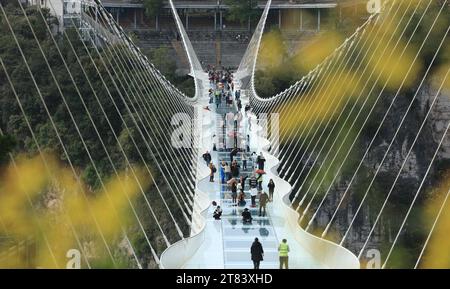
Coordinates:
213	4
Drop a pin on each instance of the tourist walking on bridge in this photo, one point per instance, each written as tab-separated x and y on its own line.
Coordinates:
254	157
233	187
207	157
218	98
213	170
252	182
263	198
247	109
233	153
242	182
253	194
214	141
271	187
261	160
222	172
244	159
235	169
237	94
257	252
283	251
227	172
242	202
259	180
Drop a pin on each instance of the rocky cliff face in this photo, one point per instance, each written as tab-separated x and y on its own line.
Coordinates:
409	180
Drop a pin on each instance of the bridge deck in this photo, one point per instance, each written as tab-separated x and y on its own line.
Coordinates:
227	241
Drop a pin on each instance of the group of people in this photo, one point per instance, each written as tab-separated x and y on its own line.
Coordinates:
224	77
230	173
257	253
222	89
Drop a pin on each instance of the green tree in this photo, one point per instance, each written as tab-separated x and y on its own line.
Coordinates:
153	7
132	141
167	65
7	143
241	10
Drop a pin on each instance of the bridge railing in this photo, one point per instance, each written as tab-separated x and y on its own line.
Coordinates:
330	254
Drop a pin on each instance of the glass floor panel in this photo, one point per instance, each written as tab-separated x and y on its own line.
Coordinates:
249	230
239	244
228	222
243	256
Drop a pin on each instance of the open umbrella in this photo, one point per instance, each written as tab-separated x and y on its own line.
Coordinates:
261	172
232	134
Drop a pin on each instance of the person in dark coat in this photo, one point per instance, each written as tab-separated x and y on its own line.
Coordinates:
233	153
242	182
207	157
257	253
242	202
247	108
235	169
217	213
246	215
271	187
234	193
261	160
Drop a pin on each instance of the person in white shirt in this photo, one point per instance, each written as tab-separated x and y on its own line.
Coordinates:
253	194
244	146
254	158
230	118
249	120
227	171
244	160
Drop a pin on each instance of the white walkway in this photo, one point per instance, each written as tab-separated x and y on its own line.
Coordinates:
227	242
